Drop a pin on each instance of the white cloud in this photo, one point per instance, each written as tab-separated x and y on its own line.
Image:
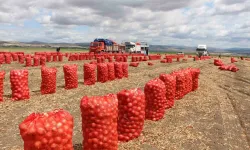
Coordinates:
158	22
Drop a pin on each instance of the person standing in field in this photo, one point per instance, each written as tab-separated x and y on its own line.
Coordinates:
58	49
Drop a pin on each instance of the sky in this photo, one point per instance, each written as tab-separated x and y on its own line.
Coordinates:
216	23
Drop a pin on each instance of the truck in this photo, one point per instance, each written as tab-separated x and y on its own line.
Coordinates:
137	47
100	45
144	47
130	47
201	50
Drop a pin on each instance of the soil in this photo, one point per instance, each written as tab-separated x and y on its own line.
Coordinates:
215	117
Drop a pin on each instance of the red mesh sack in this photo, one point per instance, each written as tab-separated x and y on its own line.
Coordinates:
180	85
110	59
120	59
21	59
19	84
133	59
70	76
99	60
118	70
233	60
48	58
60	57
47	131
125	69
195	78
150	64
170	83
155	96
136	58
99	122
102	59
169	60
36	61
134	64
42	61
28	62
54	57
164	61
2	74
111	71
218	62
89	74
14	57
7	59
140	58
102	72
125	59
189	81
234	69
2	59
48	85
131	116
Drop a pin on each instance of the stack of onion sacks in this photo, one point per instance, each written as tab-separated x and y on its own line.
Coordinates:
47	131
19	84
155	97
70	76
102	72
48	85
7	58
42	61
170	83
36	60
111	71
180	84
118	70
131	106
28	61
99	122
89	74
125	69
21	58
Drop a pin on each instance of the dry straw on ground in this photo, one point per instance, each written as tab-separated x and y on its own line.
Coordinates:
214	117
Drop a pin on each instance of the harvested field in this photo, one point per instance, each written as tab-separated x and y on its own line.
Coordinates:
215	117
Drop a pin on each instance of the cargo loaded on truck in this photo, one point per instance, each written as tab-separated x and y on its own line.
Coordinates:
106	45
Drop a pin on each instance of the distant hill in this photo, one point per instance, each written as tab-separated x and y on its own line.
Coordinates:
155	48
35	42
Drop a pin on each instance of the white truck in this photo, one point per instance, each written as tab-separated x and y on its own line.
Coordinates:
202	50
144	48
131	47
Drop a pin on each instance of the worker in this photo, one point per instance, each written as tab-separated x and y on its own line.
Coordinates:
220	56
58	49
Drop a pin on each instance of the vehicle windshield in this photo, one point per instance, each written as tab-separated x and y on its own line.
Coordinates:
130	46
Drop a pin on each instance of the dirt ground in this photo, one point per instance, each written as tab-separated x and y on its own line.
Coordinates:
215	117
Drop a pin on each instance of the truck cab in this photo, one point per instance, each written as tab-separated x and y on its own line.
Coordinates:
130	47
96	47
202	50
